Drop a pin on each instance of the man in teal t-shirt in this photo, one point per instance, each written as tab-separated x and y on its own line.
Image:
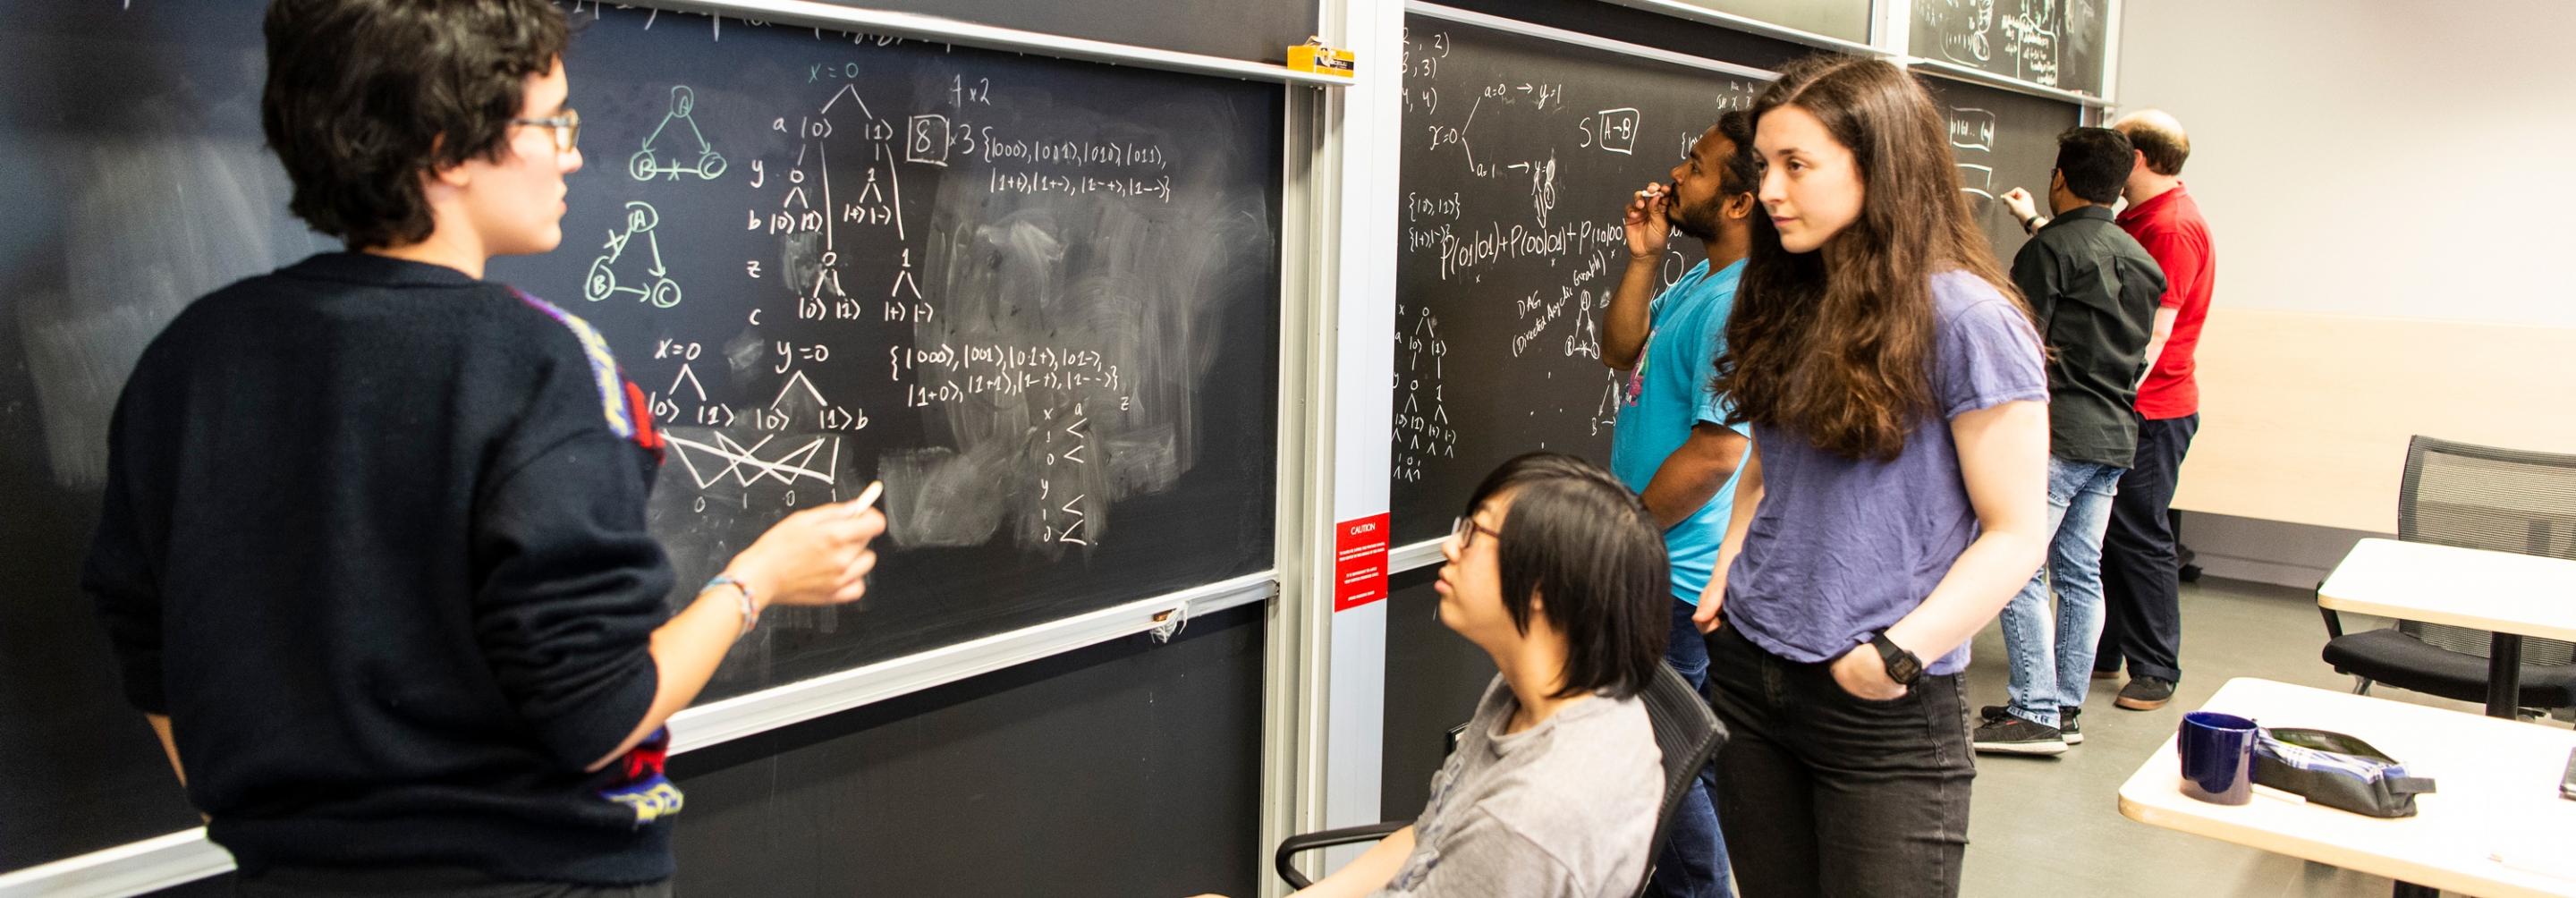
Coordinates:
1672	444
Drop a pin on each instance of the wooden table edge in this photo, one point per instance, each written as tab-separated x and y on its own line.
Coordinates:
2329	853
2438	616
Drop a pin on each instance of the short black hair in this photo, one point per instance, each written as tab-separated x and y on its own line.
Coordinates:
1578	537
2096	162
1743	172
365	95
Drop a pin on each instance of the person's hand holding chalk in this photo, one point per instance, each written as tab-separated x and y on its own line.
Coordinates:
818	556
2022	206
1649	229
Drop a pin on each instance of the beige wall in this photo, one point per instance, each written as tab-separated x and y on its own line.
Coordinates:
2305	415
2359	159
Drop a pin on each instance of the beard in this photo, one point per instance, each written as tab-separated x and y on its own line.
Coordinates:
1699	221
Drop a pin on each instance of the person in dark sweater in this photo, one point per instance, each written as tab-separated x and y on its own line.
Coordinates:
2094	292
373	550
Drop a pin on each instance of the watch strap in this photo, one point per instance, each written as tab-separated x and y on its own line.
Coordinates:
1903	666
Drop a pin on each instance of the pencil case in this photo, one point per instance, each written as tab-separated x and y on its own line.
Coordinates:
2336	770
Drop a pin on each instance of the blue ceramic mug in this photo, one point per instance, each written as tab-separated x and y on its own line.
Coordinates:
2217	757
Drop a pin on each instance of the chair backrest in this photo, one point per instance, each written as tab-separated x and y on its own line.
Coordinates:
2482	497
1689	735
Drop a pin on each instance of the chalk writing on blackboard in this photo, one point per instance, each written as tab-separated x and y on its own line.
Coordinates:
656	285
708	164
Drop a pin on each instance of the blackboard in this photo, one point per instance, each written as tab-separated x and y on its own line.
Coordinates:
1519	155
1254	30
1845	19
2051	43
2002	140
1038	297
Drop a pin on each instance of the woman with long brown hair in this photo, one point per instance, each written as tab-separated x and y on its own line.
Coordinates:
1892	502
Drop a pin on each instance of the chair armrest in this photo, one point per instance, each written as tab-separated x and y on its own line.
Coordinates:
1295	845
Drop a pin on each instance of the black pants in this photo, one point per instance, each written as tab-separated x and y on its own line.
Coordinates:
1828	795
421	882
2141	574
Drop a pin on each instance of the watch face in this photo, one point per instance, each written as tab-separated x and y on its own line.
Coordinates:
1905	669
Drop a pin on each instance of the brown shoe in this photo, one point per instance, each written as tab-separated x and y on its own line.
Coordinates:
2106	675
2146	693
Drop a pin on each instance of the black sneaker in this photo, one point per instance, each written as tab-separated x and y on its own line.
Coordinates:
2146	693
2068	726
2012	735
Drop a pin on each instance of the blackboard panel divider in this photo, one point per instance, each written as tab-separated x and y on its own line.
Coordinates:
769	709
1422	554
132	869
1680	10
183	857
1957	72
936	29
1577	38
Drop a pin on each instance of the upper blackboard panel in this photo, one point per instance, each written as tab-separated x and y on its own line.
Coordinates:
1519	155
2002	140
1039	298
2051	43
1845	19
1255	30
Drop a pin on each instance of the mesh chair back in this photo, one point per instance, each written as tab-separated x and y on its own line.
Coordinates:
2481	497
1689	735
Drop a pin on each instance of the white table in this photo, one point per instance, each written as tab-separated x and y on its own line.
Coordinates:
2508	594
2496	828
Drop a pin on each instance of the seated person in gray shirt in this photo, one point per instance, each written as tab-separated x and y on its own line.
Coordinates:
1558	572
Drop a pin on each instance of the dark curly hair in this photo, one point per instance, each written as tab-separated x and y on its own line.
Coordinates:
365	95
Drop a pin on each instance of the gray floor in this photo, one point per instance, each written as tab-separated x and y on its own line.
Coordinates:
2052	826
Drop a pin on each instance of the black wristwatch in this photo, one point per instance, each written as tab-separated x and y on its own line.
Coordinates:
1902	665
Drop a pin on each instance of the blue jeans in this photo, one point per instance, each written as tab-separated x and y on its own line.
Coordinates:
1693	864
2052	666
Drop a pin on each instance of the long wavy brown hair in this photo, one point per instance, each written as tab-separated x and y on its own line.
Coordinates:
1837	344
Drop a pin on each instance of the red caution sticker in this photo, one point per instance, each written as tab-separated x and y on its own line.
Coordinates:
1359	562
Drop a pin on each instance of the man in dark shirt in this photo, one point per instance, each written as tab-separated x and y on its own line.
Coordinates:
2093	291
373	552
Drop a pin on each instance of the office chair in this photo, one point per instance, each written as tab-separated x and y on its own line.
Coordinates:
1685	729
2473	497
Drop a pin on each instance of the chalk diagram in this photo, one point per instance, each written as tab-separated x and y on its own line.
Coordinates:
1618	131
1973	131
602	283
1422	430
727	456
2030	35
1962	26
643	165
1542	184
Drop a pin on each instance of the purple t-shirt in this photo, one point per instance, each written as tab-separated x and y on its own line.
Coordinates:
1843	549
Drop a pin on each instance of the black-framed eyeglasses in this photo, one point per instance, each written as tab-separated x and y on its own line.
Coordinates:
1465	530
566	128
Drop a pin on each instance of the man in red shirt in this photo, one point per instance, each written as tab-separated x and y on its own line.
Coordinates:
2140	569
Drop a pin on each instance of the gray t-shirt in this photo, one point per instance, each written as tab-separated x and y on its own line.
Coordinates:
1564	809
1842	548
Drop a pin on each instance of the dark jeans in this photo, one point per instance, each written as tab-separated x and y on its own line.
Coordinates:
421	882
1833	796
1693	864
2141	573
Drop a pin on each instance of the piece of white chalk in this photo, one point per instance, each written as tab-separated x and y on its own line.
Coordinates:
869	497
